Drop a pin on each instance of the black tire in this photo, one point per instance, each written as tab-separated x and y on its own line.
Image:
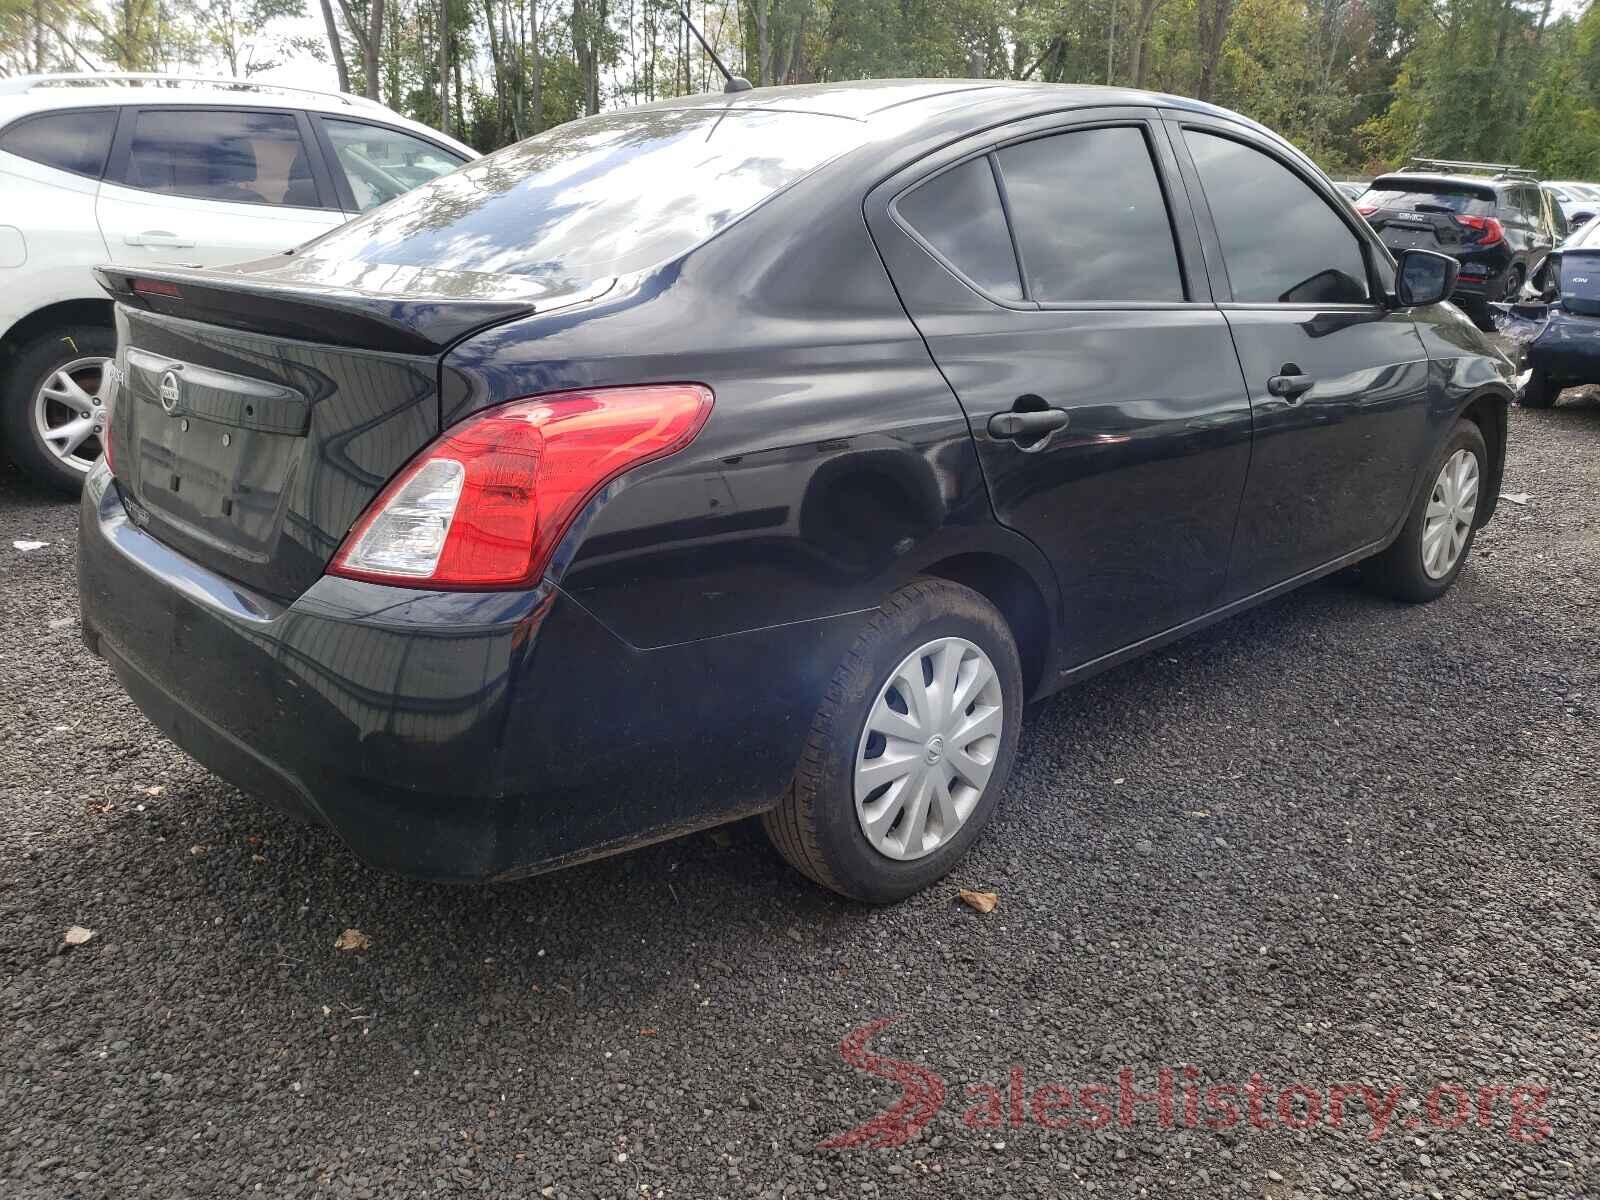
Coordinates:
1541	391
815	827
34	363
1517	276
1399	570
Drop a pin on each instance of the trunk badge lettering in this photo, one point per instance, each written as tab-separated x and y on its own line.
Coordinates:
170	392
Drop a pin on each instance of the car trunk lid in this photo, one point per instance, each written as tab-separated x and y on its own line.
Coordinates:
253	421
1580	281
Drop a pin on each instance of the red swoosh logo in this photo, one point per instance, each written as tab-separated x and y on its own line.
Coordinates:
920	1102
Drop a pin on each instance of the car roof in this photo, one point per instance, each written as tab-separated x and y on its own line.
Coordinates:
25	95
879	99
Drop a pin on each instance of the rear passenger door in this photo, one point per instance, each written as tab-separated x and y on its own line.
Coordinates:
210	186
1055	273
1338	382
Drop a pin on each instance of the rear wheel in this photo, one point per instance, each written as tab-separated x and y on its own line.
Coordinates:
52	404
910	749
1515	278
1425	559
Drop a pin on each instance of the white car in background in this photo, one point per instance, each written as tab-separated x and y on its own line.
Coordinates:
156	170
1575	199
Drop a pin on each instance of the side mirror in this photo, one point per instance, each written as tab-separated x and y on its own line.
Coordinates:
1424	277
1581	217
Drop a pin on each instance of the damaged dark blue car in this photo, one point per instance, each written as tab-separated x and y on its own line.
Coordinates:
1562	328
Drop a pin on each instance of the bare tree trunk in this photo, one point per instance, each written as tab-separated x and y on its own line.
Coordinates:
372	51
763	45
536	84
1111	43
38	37
1213	22
336	45
444	66
1141	39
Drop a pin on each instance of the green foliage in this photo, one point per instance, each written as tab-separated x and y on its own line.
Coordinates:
1359	84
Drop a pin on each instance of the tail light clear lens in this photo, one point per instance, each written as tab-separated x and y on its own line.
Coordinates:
1483	231
485	505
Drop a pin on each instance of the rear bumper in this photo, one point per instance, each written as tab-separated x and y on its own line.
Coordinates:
1568	348
449	736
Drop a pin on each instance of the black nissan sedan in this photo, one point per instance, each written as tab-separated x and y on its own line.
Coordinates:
760	454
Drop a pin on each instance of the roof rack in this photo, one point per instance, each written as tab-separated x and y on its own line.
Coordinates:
1498	170
20	84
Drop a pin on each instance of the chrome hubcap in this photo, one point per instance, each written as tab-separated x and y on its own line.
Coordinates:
69	412
1451	510
928	748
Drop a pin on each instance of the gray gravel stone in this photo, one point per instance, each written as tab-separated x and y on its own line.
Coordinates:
1410	897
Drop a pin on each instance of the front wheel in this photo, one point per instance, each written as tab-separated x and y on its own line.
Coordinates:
52	404
910	749
1425	559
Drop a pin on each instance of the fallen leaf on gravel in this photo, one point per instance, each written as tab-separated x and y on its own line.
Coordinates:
353	939
63	622
26	546
76	936
1117	780
649	1032
1515	497
259	858
982	901
154	791
197	850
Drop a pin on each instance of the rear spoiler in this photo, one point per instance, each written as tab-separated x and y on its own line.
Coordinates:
419	322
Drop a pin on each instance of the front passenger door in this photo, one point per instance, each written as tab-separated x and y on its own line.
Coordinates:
1338	382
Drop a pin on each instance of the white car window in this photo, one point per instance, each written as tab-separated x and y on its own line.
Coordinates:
214	154
383	163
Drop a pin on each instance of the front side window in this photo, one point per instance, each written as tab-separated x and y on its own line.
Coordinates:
382	163
75	141
958	213
1281	242
211	154
1090	219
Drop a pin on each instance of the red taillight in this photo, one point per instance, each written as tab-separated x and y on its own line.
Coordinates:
1488	229
485	505
156	287
1366	210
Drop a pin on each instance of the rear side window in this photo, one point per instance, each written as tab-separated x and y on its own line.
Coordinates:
1090	220
212	154
1282	243
381	163
599	197
958	213
75	141
1435	198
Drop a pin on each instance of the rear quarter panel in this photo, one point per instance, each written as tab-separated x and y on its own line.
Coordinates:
49	240
836	462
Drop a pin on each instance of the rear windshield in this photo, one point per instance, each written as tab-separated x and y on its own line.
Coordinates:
596	198
1447	198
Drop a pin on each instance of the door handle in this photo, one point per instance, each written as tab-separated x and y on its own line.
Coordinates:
1027	424
159	238
1291	387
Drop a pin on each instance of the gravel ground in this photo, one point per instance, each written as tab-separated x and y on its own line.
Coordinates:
1333	841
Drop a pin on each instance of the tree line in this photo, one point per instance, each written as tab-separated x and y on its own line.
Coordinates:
1358	84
